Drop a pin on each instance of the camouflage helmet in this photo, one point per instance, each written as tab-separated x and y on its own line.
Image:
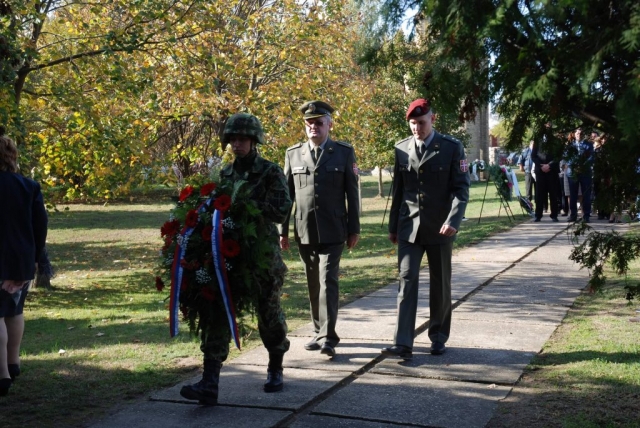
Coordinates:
242	124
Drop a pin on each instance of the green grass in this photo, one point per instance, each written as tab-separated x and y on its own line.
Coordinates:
101	337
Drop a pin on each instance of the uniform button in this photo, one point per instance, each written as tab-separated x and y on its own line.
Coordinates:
315	173
316	184
421	196
316	195
421	207
336	169
420	171
421	183
317	207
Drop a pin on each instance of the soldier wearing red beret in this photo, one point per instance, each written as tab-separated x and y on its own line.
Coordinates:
430	194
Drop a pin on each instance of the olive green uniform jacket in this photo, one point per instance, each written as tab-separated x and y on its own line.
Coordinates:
327	207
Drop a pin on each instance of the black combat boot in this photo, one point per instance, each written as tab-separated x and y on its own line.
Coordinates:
275	381
14	371
205	391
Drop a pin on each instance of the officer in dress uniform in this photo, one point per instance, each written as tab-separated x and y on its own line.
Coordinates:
322	175
430	194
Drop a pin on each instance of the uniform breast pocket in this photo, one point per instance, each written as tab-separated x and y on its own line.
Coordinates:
300	176
441	171
337	172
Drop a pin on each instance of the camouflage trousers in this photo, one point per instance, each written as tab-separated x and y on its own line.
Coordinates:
271	325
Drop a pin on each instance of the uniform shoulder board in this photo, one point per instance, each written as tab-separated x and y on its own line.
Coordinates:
295	146
450	138
342	143
403	141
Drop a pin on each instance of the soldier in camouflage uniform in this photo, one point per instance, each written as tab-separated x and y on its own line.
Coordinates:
269	189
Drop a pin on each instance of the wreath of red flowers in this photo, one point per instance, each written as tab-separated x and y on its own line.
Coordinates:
245	248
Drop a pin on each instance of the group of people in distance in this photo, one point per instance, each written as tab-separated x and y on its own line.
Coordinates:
430	193
320	179
563	177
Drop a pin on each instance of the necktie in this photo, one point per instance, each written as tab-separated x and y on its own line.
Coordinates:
316	154
421	151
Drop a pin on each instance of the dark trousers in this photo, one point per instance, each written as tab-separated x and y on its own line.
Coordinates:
547	187
321	265
439	259
584	182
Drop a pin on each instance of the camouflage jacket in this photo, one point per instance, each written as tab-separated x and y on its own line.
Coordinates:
269	189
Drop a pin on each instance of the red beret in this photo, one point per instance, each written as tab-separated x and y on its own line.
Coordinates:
418	108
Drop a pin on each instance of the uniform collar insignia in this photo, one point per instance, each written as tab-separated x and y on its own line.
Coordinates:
436	147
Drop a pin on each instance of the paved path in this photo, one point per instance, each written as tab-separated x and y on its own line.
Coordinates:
510	293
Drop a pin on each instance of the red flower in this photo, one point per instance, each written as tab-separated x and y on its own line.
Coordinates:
159	283
170	228
185	193
207	189
206	233
230	248
222	203
192	218
207	294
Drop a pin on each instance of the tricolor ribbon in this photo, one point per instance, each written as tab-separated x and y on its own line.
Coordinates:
221	272
176	280
176	274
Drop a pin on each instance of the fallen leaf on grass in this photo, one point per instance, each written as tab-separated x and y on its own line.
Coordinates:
70	328
62	352
99	334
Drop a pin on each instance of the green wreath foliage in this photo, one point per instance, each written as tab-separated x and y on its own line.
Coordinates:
246	248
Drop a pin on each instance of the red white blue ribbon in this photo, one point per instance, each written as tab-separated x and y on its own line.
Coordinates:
221	272
176	274
176	280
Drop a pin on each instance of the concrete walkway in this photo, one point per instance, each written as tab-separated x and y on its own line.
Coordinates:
510	293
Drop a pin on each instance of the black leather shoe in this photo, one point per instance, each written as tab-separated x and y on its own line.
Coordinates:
437	348
398	351
312	346
275	381
536	220
328	350
572	220
555	220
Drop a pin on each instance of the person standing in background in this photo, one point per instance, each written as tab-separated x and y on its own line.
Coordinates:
525	166
547	169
